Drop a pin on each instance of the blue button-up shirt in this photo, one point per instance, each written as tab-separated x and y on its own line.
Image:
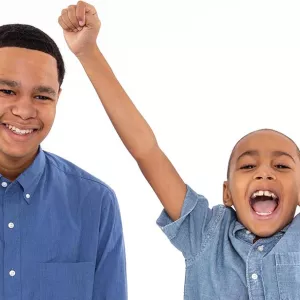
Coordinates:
222	263
61	235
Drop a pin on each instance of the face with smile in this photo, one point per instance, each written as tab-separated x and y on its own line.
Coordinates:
263	183
29	90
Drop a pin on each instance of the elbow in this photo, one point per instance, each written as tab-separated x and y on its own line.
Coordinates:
146	152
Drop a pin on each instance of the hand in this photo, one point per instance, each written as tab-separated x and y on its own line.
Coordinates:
81	26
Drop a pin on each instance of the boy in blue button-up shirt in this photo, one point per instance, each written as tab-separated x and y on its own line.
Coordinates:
250	252
61	235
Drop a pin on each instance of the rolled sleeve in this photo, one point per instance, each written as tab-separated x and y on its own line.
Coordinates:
191	231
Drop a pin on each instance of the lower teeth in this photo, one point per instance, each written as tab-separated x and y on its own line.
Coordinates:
263	213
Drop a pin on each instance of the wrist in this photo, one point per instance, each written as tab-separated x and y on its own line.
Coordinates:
88	54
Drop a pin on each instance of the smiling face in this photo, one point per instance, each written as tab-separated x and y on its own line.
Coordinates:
263	183
29	91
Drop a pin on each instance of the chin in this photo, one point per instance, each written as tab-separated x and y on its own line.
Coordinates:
19	152
265	230
265	233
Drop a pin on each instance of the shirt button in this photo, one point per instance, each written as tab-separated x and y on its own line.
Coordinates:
4	184
12	273
248	232
27	196
254	276
11	225
260	248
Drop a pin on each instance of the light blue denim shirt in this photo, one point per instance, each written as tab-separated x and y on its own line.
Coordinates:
60	236
222	263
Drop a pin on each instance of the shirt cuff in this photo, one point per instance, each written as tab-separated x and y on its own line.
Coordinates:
170	227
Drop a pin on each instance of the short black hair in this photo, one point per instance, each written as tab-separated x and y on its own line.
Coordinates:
30	37
265	129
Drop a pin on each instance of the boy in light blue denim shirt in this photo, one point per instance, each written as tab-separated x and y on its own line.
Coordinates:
250	252
253	252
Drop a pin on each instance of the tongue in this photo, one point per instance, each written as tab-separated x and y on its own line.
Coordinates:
265	206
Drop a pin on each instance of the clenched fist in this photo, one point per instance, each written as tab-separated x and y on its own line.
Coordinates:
81	27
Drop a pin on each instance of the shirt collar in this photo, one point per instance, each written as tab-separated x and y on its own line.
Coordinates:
30	178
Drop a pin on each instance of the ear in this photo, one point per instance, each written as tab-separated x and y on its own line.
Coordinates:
227	199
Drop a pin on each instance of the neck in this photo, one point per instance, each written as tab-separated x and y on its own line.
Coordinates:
11	167
256	239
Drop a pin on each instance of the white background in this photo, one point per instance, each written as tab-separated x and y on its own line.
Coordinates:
203	73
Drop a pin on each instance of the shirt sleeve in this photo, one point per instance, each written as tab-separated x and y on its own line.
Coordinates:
110	280
192	231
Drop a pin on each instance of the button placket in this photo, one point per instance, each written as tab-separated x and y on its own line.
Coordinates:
11	211
255	285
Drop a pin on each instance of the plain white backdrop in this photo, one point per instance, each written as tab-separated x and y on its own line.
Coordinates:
203	73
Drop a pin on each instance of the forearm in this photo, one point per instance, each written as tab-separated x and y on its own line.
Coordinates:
132	128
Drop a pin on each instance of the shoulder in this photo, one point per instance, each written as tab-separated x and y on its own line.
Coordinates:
70	174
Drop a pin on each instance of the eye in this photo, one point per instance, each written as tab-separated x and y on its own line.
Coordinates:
44	98
280	166
247	167
7	92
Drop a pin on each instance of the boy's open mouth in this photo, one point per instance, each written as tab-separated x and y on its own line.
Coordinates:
264	202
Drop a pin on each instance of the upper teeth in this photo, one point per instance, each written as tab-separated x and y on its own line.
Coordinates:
19	131
264	193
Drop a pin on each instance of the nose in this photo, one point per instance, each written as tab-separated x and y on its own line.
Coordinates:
264	173
24	108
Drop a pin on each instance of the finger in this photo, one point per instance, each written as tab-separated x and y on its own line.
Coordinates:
65	18
87	11
72	16
62	24
80	12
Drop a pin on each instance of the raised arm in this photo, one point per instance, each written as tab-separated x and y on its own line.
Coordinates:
130	125
136	134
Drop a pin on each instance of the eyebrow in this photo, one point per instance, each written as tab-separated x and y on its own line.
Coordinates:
256	153
45	89
39	89
10	83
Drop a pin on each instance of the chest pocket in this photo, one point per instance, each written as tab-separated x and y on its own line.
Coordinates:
288	275
66	281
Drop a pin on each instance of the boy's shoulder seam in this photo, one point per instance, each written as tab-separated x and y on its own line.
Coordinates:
79	174
220	210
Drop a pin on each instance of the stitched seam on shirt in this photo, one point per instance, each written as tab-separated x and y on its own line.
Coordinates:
178	222
77	175
278	286
209	235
